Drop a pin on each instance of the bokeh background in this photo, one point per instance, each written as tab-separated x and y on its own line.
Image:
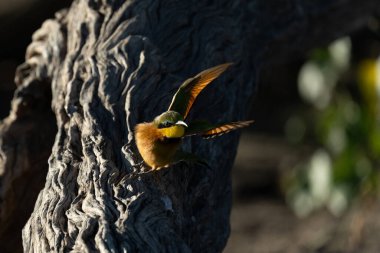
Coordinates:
306	177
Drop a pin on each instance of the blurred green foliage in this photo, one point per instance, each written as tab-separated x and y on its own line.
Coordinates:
346	128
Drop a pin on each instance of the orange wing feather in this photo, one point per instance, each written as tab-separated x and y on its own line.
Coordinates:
225	128
184	98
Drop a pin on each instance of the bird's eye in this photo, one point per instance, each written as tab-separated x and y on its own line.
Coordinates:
164	124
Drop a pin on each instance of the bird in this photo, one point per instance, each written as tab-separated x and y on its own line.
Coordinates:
159	141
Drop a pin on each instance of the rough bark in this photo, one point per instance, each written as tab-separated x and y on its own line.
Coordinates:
110	65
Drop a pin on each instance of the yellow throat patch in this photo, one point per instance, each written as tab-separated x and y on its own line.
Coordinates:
173	131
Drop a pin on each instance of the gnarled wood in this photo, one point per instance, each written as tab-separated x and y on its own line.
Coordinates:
113	64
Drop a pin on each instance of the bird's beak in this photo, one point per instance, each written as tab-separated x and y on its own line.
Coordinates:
182	123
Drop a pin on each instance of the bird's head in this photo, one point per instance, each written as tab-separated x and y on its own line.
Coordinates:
170	124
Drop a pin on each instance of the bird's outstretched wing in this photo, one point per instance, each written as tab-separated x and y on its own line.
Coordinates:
187	93
207	130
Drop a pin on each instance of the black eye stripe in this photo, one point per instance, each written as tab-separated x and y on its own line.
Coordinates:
165	124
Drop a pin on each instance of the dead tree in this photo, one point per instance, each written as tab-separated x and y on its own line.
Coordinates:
105	66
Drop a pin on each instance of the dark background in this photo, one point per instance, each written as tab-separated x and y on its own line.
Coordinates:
261	219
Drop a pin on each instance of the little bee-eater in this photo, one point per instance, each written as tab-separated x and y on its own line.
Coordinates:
159	141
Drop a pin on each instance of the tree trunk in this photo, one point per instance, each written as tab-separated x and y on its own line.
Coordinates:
112	64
